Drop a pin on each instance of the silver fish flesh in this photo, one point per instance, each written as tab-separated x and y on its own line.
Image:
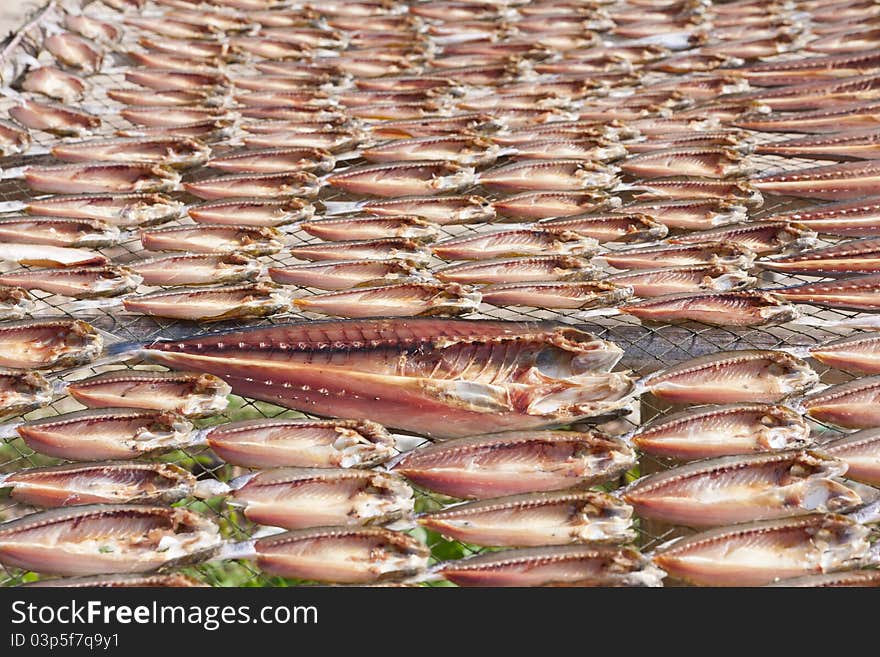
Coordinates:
76	282
556	294
493	465
859	353
106	434
618	227
301	443
536	519
270	185
834	182
860	218
211	238
691	188
370	227
735	489
171	151
518	270
723	430
683	279
762	552
107	538
275	160
856	293
409	179
44	344
851	405
209	268
854	257
58	231
252	212
297	498
55	119
14	139
707	253
465	151
399	248
75	52
550	175
849	145
751	375
516	242
409	299
520	376
123	211
737	308
568	565
345	274
707	162
101	177
545	205
441	210
357	555
860	451
759	238
100	483
21	392
211	304
189	394
55	84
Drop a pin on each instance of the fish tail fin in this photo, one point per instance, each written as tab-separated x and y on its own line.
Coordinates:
207	488
239	550
122	348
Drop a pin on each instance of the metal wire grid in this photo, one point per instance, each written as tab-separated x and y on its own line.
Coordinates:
647	348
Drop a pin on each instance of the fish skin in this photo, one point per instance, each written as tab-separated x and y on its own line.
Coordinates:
341	555
76	282
707	253
54	118
101	177
252	212
333	275
188	394
171	151
558	373
514	242
441	210
302	443
854	293
556	294
45	344
737	308
58	231
398	248
727	430
21	392
370	227
535	519
274	160
844	258
859	218
14	138
851	405
55	84
687	382
736	489
706	162
197	269
347	497
860	451
210	303
272	185
100	483
759	238
91	539
859	353
791	547
495	465
850	145
570	565
648	283
519	270
617	227
211	238
434	176
834	182
408	299
558	175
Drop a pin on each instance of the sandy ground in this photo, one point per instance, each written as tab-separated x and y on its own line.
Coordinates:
12	14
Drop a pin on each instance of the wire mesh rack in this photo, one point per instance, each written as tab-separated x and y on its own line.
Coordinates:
647	348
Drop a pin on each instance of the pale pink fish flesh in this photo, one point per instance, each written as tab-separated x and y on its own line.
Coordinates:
274	160
759	238
328	139
211	304
123	211
58	231
834	182
93	28
851	405
696	214
271	185
857	293
170	80
74	51
302	443
737	308
853	257
54	83
649	283
55	119
21	392
610	227
718	138
707	162
197	269
102	177
590	150
751	375
707	253
45	344
466	151
442	210
849	145
345	274
517	270
556	294
42	255
186	393
166	98
111	434
691	188
164	117
396	300
549	175
859	353
411	179
107	538
370	227
252	212
400	248
510	243
860	451
544	205
170	151
76	282
210	238
859	218
844	116
723	430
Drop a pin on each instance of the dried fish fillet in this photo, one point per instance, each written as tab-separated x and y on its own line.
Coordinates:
834	182
252	212
693	188
166	98
723	430
759	238
171	580
570	565
123	211
442	210
58	231
397	300
76	282
856	293
708	253
521	376
849	145
751	375
54	83
598	149
735	489
74	51
171	151
298	498
100	483
494	465
707	162
275	160
550	175
762	552
53	118
342	555
867	577
858	353
213	238
197	269
544	205
345	274
211	304
409	179
518	242
167	117
92	28
99	177
44	344
860	451
855	257
15	302
23	391
556	294
107	538
738	308
270	185
683	279
731	139
189	394
302	443
851	405
536	519
13	138
465	151
609	227
518	270
837	118
370	227
42	255
400	248
160	79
